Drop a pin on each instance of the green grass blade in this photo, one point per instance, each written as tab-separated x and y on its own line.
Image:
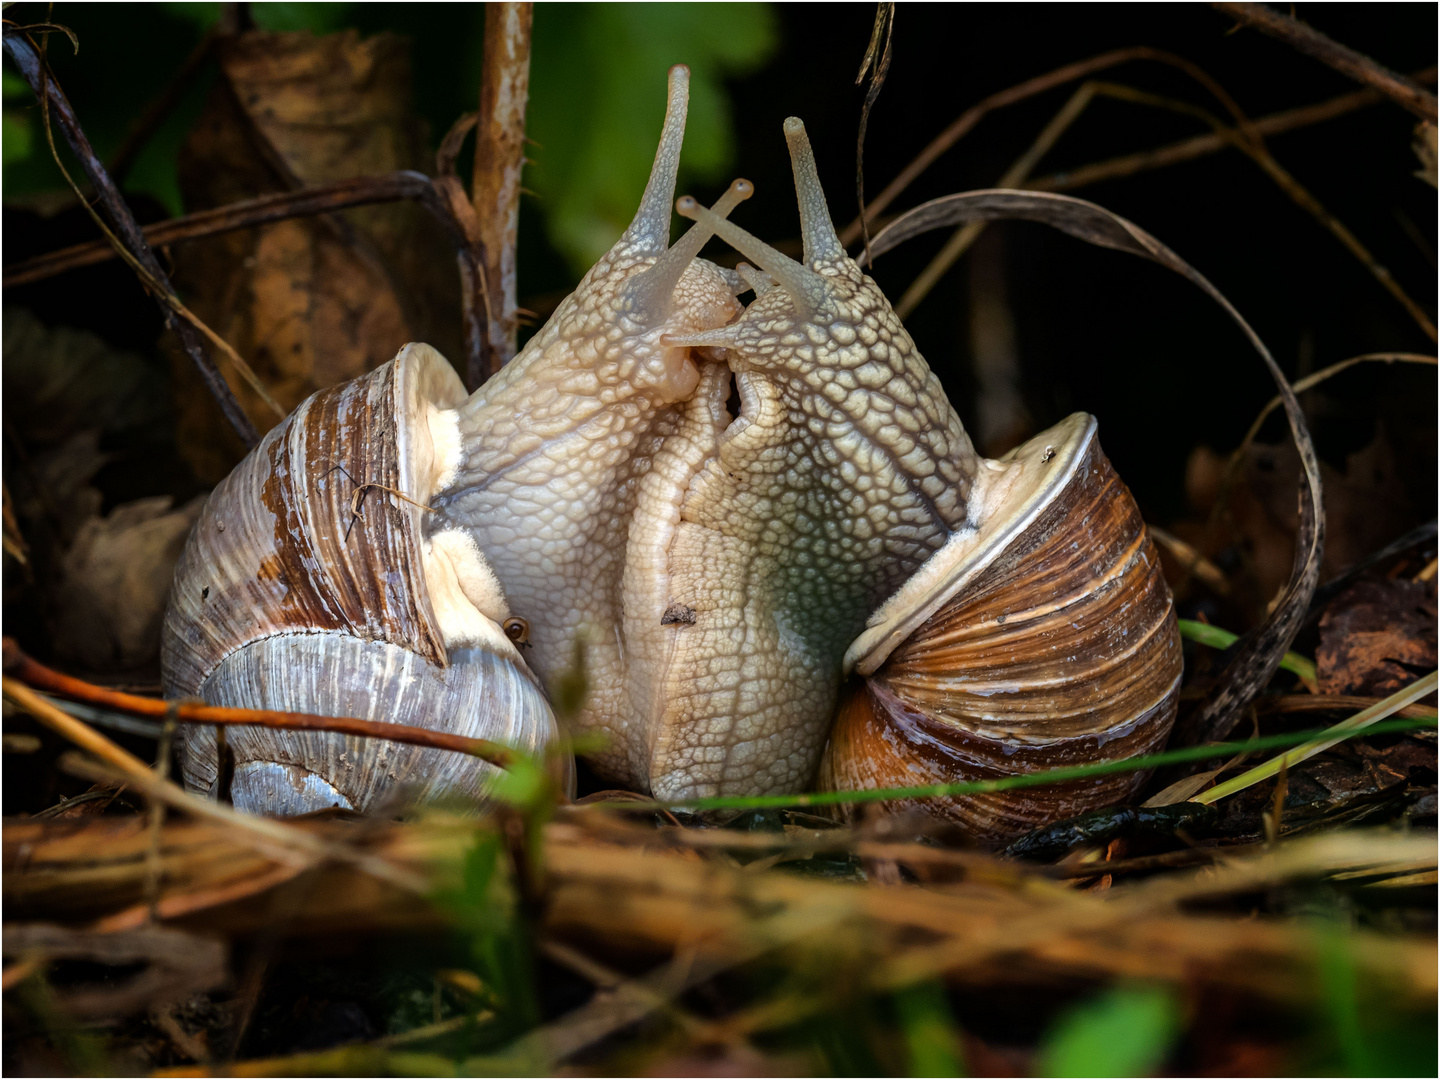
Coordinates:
1124	1032
1008	783
1327	738
1216	638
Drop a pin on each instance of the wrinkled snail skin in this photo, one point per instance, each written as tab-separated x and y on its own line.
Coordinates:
846	470
556	448
825	531
308	585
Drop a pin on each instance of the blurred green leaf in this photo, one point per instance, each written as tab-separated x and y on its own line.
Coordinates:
202	16
1123	1032
523	785
317	18
486	913
16	138
929	1030
597	98
1337	978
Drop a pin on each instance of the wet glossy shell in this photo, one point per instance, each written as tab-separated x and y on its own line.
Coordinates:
1062	651
293	595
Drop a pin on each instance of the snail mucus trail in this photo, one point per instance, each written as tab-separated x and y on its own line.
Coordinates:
729	574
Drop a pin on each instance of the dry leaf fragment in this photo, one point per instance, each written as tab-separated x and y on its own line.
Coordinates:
312	301
110	599
1376	636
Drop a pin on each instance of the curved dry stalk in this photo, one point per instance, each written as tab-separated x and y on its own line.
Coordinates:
37	675
1259	655
967	120
1347	61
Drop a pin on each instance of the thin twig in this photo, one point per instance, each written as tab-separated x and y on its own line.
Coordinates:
499	160
875	63
476	310
131	240
268	836
1347	61
1231	475
1318	377
967	120
322	199
1200	145
37	675
1015	176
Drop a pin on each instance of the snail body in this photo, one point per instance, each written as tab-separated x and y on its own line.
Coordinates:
724	577
998	616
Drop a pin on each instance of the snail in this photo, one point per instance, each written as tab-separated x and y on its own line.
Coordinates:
327	574
830	584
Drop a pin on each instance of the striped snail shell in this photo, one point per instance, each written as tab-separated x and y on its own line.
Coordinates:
1046	639
309	586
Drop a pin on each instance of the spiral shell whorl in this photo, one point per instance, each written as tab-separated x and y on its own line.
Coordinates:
307	586
1063	650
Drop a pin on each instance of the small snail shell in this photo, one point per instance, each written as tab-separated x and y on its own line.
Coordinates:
307	586
1045	639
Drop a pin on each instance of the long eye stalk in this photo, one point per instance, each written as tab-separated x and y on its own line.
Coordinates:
817	230
650	230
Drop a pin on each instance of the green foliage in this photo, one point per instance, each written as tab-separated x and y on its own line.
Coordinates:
929	1029
1361	1033
18	139
1126	1031
317	18
202	16
485	908
597	96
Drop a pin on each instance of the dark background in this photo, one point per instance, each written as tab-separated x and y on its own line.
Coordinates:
1158	363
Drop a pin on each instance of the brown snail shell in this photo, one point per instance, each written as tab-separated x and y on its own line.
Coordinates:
308	585
1047	639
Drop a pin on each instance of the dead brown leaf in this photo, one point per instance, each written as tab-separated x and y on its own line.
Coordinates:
308	302
1376	636
110	597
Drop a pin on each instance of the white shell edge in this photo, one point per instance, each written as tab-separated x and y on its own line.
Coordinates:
1008	495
